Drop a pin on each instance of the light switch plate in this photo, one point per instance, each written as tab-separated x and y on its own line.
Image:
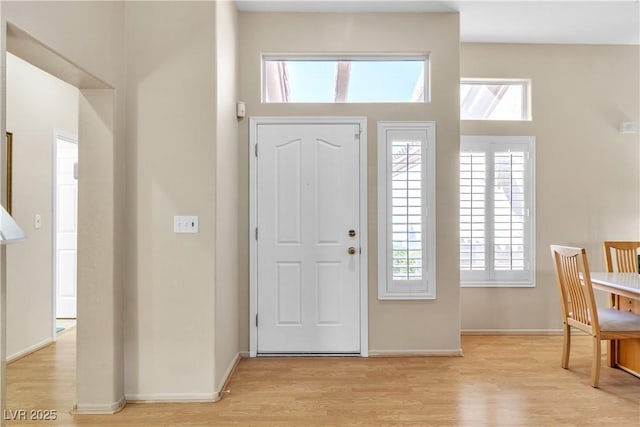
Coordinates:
628	127
185	224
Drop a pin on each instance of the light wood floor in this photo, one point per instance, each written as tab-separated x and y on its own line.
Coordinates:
501	381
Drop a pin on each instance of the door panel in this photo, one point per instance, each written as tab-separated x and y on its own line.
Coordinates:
327	156
288	288
307	201
67	274
287	196
327	288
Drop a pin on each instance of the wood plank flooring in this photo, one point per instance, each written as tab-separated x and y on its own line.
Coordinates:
501	381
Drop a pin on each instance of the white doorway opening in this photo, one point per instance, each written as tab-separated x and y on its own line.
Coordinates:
65	231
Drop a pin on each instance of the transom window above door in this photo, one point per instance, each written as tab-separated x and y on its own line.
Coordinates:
319	79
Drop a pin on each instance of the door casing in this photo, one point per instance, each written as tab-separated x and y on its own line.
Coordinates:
254	122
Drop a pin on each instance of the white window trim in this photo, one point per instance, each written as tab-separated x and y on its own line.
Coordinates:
526	101
465	143
386	288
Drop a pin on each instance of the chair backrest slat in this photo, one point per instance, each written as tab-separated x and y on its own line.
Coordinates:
626	260
626	256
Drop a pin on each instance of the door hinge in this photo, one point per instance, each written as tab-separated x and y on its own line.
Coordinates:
256	149
357	135
256	233
256	320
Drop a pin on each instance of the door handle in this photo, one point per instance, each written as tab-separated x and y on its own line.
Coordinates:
351	250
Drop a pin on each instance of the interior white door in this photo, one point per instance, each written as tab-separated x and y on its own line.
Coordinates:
66	228
308	219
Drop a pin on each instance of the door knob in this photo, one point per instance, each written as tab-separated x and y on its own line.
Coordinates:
351	250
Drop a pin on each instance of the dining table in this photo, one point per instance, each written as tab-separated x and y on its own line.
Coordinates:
624	289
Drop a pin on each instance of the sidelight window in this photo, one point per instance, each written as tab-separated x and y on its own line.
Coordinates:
406	210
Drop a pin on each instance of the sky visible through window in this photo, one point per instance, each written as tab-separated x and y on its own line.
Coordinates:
384	81
368	81
311	81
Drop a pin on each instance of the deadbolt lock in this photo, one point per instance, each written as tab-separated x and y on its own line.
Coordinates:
352	233
351	250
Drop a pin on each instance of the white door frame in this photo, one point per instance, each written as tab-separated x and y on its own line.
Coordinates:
253	221
65	136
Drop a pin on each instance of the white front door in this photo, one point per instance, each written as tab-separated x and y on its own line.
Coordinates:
66	227
308	238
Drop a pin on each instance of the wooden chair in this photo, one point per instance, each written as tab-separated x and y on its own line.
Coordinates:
579	307
626	256
626	260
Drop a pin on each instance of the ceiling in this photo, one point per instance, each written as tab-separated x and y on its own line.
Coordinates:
506	21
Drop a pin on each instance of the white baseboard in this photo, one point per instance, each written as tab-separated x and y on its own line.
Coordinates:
408	353
89	408
244	354
171	397
511	332
27	351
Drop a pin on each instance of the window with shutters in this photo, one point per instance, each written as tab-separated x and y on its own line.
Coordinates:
497	210
406	210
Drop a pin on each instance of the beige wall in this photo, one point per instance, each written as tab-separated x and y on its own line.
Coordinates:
171	146
150	295
99	364
393	325
37	105
92	42
92	36
587	175
228	224
181	304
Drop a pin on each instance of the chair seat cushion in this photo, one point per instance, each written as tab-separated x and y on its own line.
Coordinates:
612	320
